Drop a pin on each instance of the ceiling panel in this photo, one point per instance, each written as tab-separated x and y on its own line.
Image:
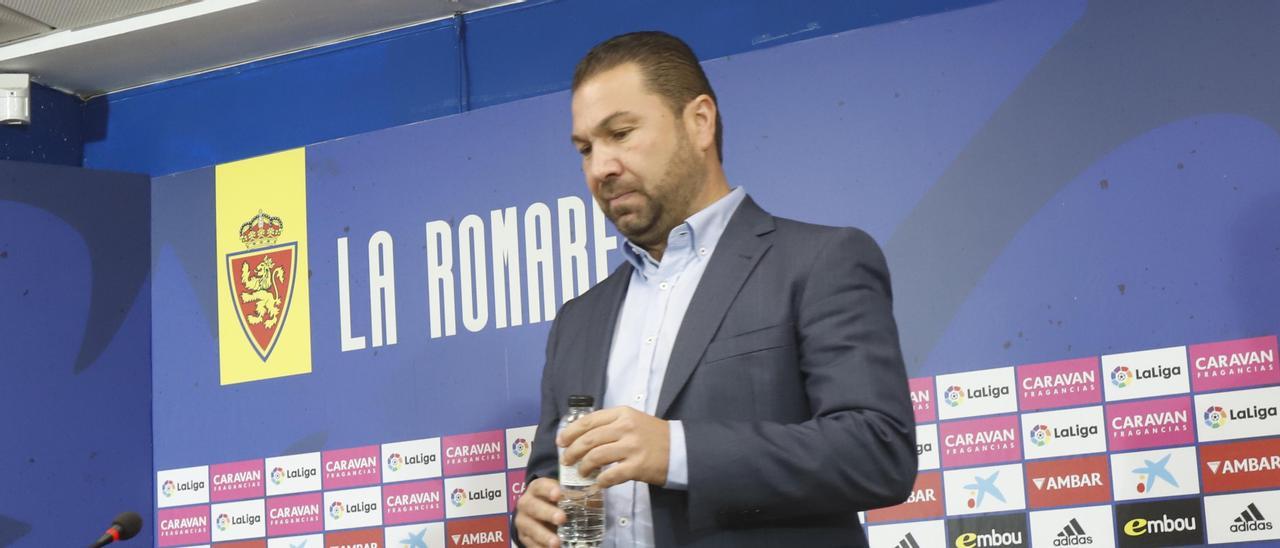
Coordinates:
74	14
15	26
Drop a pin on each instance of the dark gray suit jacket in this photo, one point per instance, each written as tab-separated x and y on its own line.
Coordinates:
787	375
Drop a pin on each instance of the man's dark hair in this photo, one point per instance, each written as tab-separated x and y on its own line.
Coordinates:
668	65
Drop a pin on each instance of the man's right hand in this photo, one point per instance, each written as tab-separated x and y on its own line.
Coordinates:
538	514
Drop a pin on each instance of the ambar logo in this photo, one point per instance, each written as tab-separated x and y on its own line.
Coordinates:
1237	466
1084	480
924	502
488	532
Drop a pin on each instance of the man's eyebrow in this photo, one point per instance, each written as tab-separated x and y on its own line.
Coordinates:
603	124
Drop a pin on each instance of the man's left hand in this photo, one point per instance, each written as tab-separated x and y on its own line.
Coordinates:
635	444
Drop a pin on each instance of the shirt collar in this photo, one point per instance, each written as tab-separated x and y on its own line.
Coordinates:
704	229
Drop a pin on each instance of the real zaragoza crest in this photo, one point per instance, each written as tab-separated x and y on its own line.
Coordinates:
261	281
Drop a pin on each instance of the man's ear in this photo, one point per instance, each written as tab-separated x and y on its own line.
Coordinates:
700	121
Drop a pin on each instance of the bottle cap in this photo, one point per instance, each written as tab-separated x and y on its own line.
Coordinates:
581	401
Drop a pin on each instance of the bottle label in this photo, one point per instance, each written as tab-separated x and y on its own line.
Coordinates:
569	476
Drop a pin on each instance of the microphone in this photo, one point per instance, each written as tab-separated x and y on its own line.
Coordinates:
124	527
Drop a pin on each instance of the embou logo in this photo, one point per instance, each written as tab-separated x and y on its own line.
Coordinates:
1137	527
990	538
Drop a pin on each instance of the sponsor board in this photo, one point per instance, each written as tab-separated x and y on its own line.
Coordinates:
295	514
420	535
1154	474
1064	432
1066	482
490	532
1234	364
975	393
1145	374
363	538
1088	526
1239	414
917	534
1243	517
1150	423
1004	531
256	543
182	486
474	453
979	441
924	502
1176	522
412	502
182	526
515	488
927	446
292	474
238	520
236	480
1253	464
475	495
1066	383
299	541
922	399
352	467
519	445
353	508
982	490
411	460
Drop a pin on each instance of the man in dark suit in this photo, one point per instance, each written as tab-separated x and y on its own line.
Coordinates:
749	369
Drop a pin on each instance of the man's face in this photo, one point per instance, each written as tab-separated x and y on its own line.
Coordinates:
639	163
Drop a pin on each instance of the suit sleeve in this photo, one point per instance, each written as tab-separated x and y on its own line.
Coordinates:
858	450
544	458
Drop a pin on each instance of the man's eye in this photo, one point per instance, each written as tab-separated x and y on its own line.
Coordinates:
585	151
621	134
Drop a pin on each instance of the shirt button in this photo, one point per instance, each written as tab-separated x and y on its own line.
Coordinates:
664	286
648	340
624	522
639	397
702	251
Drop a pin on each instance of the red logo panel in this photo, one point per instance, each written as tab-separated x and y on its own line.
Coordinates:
1079	481
1253	464
925	502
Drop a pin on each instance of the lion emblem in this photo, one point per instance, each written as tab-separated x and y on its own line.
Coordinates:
261	289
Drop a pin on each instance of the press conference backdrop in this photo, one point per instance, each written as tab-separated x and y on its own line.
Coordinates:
1077	203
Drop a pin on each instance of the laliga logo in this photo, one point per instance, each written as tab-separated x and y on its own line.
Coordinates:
1121	376
394	462
520	447
1215	417
954	396
335	510
1040	435
277	475
223	521
168	488
458	497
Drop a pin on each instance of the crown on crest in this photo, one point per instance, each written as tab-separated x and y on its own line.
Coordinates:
261	230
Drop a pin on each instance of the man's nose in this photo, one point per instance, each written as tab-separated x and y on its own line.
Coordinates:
603	164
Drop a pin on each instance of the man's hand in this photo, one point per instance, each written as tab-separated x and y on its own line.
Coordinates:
635	444
538	515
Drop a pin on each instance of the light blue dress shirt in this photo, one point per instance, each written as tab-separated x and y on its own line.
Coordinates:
657	297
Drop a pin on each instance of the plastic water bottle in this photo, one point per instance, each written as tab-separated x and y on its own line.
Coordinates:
582	501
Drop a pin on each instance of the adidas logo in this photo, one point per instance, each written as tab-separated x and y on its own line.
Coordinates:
909	542
1250	520
1073	534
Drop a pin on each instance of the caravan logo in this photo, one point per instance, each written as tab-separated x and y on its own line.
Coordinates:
412	502
472	453
1234	364
921	390
182	526
295	514
1059	384
1150	423
236	480
980	441
351	467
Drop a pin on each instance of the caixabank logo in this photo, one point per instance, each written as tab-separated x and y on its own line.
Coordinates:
1243	517
1145	374
1005	531
1176	522
1155	474
1239	414
1253	464
982	490
1063	433
264	310
1086	526
976	393
1234	364
421	535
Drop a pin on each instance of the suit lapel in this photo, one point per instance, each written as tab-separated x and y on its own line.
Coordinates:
736	255
604	319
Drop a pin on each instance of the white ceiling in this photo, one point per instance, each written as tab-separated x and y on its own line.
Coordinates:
91	47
